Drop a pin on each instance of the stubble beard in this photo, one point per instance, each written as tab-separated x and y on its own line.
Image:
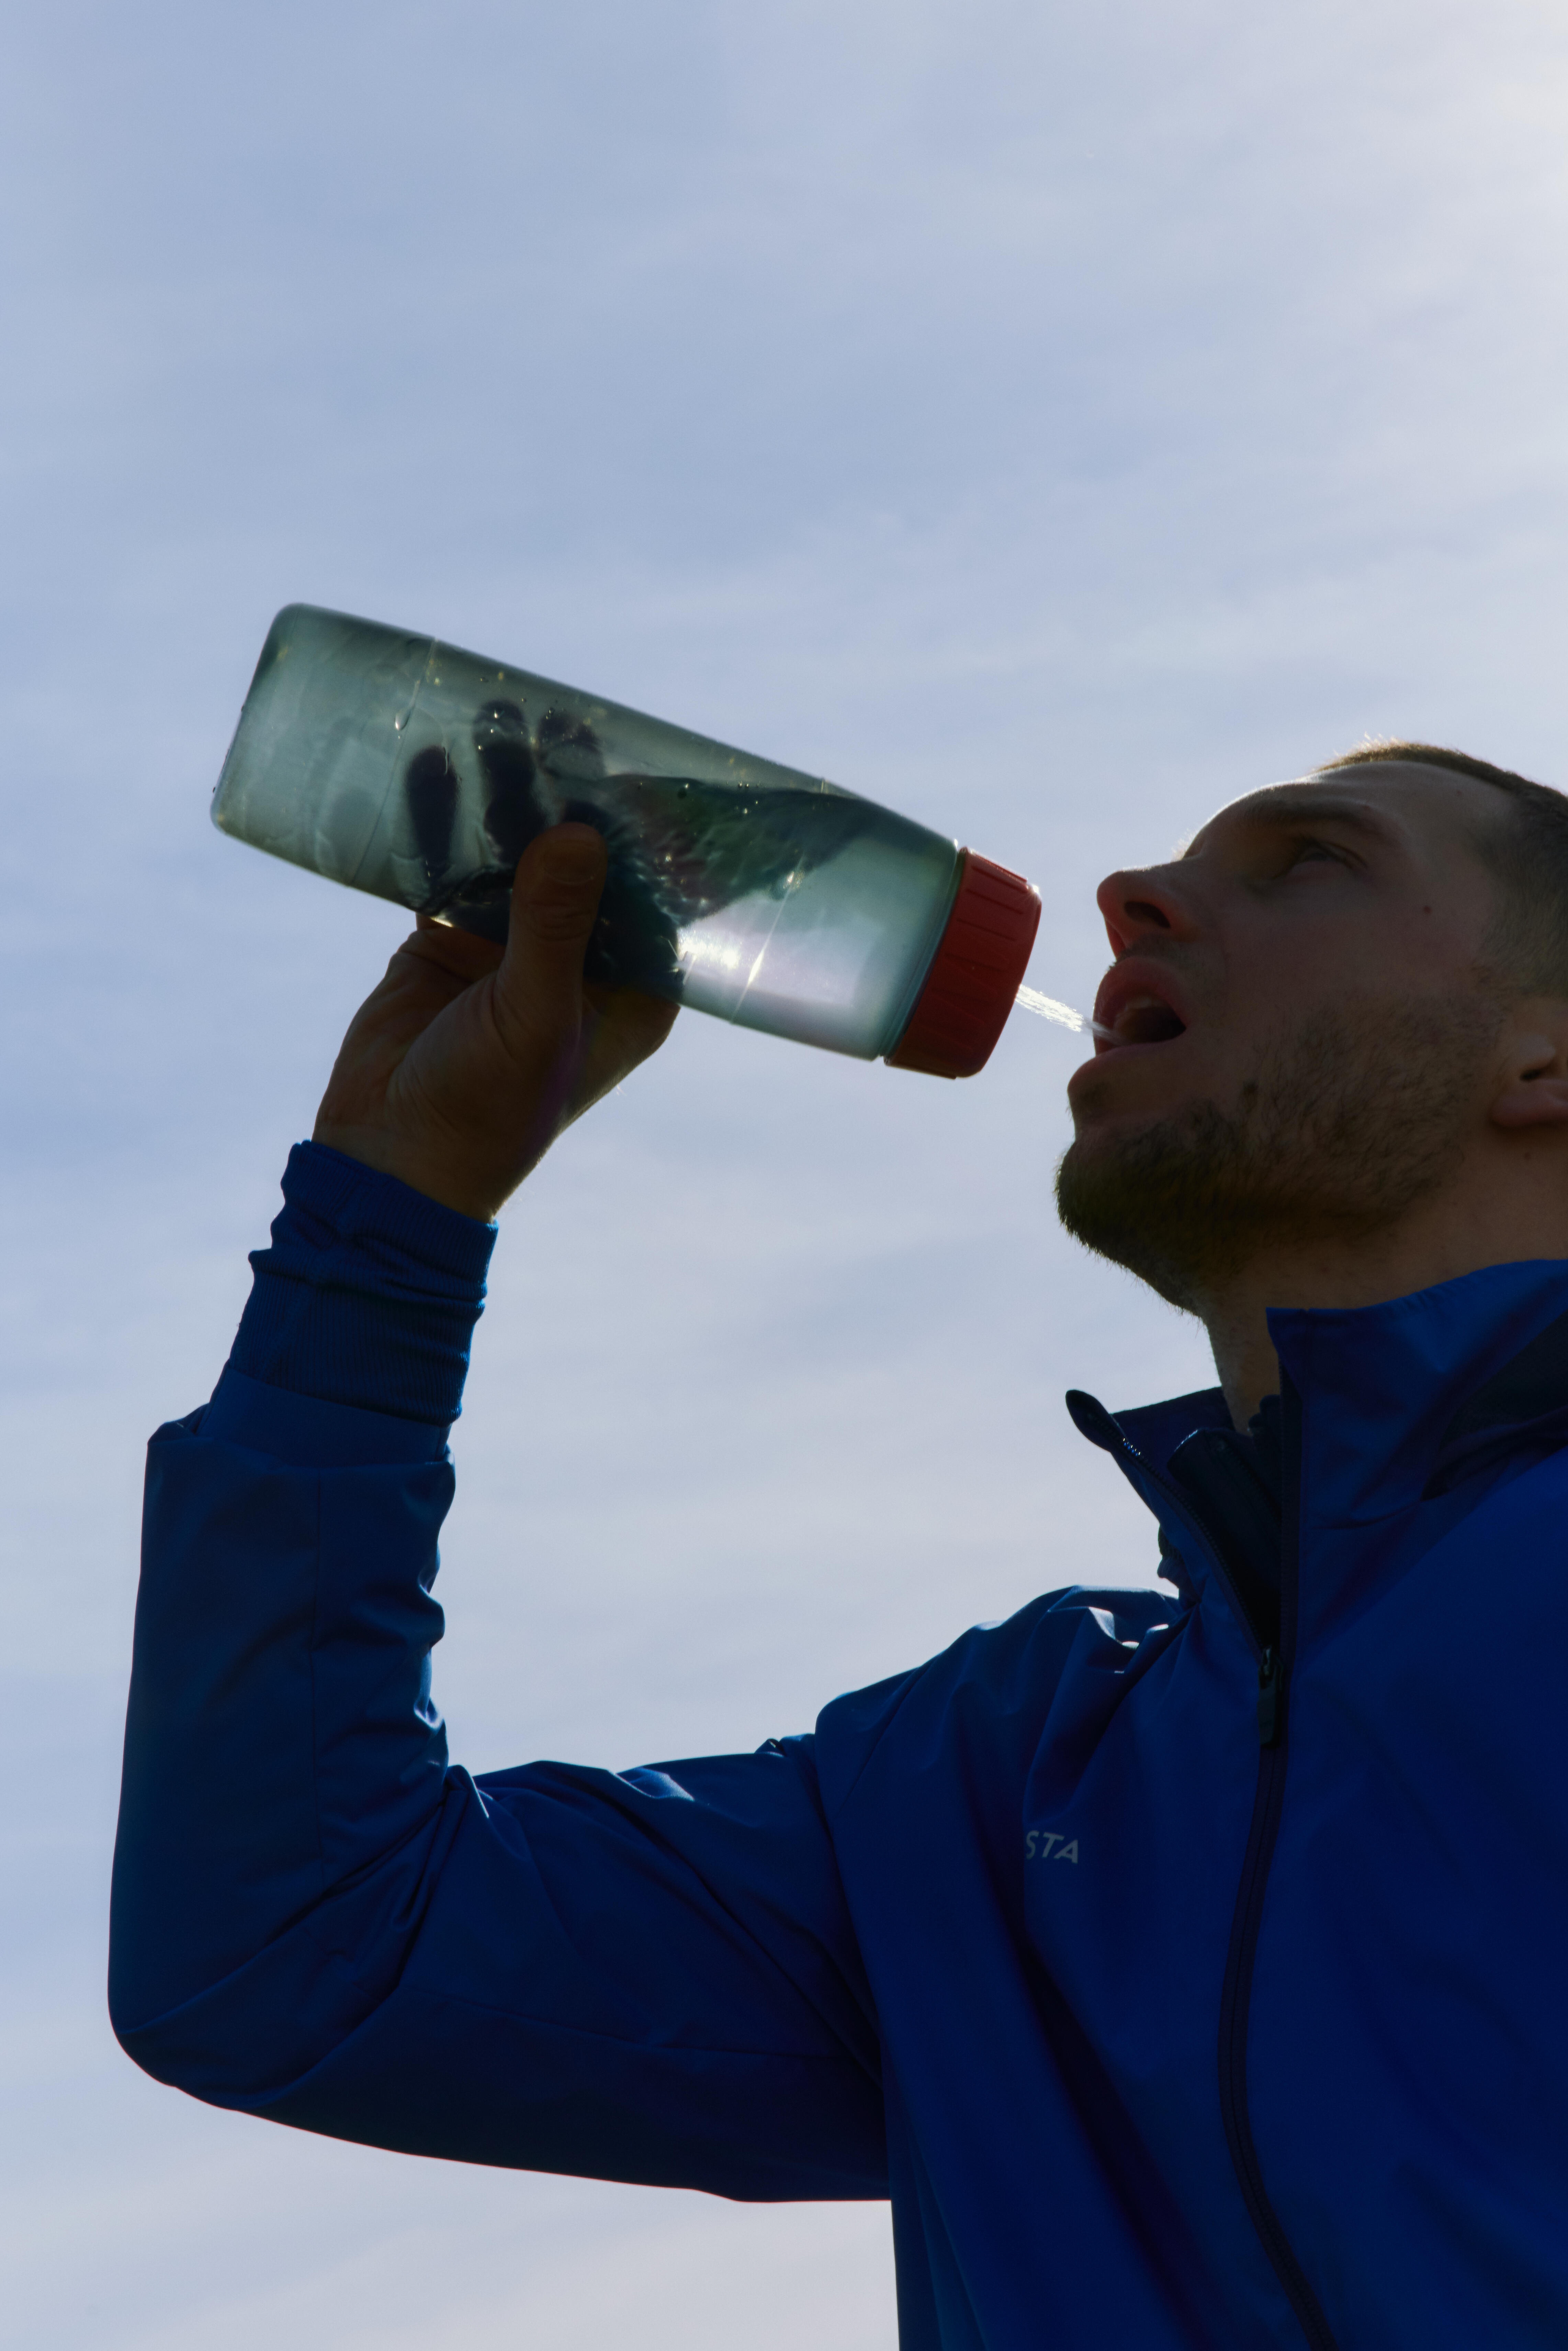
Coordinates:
1354	1116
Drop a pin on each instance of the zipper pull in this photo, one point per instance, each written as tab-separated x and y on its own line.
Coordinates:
1270	1692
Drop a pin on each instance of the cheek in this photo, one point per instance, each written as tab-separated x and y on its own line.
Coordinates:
1419	945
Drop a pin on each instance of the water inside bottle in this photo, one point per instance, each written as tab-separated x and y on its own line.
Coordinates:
810	912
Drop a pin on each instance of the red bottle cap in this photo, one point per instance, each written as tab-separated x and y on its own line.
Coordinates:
974	973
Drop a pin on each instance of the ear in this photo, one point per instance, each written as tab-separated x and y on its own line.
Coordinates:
1532	1073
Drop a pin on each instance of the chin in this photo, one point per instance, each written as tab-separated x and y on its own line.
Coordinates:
1158	1194
1108	1116
1135	1084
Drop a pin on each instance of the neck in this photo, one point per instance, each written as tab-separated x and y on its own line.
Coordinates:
1453	1234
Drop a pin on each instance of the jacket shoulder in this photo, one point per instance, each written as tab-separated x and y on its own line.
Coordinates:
1003	1676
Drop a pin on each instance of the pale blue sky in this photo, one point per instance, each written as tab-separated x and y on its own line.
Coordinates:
1048	419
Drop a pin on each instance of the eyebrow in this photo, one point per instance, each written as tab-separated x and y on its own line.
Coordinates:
1300	808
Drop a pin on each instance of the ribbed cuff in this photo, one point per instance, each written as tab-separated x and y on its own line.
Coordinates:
368	1294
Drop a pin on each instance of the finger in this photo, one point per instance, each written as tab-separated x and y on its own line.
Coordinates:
461	953
625	1028
555	903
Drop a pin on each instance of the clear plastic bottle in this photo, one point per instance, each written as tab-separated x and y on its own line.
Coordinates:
406	767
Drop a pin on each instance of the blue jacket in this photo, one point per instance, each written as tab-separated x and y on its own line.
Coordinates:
1189	1966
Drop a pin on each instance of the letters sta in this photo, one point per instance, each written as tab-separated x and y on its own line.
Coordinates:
1048	1845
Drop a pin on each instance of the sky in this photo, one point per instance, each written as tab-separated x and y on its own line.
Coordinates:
1050	421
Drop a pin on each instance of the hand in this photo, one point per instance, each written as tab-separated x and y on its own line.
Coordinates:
462	1069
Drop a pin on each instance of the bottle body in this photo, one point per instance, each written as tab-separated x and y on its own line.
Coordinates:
403	767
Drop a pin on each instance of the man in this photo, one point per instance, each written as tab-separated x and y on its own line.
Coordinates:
1186	1964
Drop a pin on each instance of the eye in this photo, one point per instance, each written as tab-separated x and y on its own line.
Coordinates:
1308	851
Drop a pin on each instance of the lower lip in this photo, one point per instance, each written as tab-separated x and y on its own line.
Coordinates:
1119	1052
1135	1045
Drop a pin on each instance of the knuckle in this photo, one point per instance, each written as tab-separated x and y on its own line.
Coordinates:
558	923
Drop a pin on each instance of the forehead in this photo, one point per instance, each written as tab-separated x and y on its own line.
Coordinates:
1399	805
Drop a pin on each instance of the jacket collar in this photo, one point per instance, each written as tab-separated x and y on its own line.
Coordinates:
1382	1388
1398	1401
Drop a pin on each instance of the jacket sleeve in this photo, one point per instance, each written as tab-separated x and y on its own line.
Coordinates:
646	1975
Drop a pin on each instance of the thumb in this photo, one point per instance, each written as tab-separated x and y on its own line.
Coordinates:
555	903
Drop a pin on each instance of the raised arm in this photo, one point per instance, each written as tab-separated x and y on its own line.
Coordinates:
317	1915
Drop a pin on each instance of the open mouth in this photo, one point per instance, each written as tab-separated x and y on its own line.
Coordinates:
1146	1021
1126	1014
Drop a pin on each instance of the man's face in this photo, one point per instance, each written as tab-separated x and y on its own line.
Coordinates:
1302	1027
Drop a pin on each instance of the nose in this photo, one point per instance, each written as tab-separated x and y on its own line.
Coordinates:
1142	903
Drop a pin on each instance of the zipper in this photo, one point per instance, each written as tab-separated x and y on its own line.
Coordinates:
1235	1996
1274	1652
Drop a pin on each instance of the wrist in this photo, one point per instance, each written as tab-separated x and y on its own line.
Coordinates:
427	1173
369	1293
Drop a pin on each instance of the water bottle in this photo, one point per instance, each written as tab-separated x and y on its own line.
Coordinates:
403	767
